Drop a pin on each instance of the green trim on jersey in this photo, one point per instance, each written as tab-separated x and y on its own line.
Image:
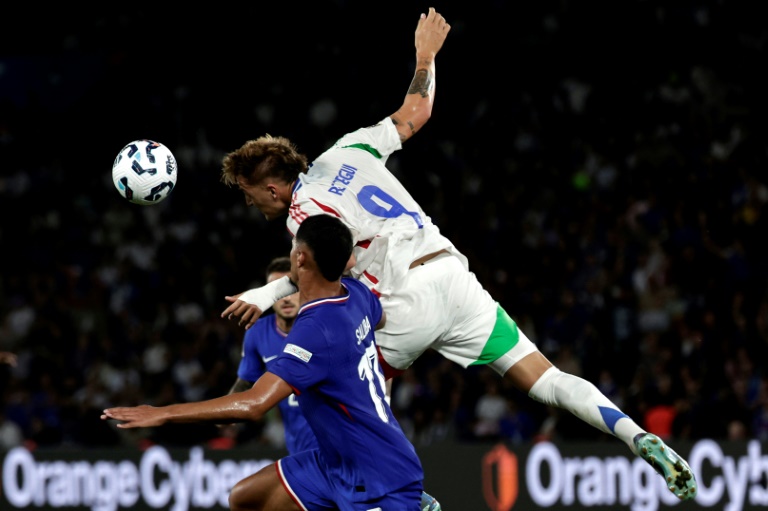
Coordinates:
503	338
364	147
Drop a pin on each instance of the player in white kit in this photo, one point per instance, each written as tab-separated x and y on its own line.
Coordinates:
431	298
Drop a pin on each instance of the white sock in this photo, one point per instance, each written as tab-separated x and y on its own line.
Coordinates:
581	398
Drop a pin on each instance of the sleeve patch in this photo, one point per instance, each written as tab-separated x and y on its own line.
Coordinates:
298	352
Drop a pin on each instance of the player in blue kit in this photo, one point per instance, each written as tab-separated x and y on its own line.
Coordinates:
262	345
364	461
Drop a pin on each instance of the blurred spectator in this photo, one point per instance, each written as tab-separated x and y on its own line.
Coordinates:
659	419
9	358
491	408
156	363
11	434
737	430
188	373
517	425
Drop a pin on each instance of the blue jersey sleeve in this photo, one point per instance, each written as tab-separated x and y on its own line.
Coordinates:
305	360
251	365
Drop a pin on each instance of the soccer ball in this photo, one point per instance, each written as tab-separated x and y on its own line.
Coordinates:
145	172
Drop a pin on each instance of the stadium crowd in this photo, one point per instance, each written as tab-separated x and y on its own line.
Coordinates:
602	166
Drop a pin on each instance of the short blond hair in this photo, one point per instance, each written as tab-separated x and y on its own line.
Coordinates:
262	158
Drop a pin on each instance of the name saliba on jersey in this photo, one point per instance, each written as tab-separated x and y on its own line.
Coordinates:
362	331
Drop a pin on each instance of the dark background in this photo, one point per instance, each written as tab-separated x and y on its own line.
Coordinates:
601	164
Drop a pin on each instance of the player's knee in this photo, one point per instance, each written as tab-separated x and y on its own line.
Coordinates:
235	499
240	498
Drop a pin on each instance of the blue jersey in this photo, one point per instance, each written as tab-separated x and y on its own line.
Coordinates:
330	360
262	344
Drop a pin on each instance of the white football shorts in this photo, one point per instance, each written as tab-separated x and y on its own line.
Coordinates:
441	305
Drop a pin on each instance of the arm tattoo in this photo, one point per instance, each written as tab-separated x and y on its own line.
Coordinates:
421	83
403	138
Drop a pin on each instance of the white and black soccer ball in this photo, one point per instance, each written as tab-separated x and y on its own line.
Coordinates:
145	172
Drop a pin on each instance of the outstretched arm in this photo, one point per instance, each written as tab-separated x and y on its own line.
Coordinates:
248	306
240	385
431	32
251	404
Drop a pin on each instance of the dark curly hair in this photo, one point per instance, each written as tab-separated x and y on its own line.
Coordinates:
330	242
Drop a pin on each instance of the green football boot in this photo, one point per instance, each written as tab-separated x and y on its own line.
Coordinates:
672	467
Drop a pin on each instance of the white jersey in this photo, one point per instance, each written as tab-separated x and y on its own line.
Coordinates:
389	229
440	304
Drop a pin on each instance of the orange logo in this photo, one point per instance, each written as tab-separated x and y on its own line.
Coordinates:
500	481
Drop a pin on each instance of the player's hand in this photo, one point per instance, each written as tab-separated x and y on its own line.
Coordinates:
431	33
246	313
143	416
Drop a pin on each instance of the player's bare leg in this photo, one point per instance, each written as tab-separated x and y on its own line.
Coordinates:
261	491
528	371
545	383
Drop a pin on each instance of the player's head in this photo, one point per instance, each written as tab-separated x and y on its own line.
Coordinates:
285	308
278	267
328	241
265	169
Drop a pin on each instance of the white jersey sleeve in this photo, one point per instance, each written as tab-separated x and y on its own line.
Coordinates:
350	181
